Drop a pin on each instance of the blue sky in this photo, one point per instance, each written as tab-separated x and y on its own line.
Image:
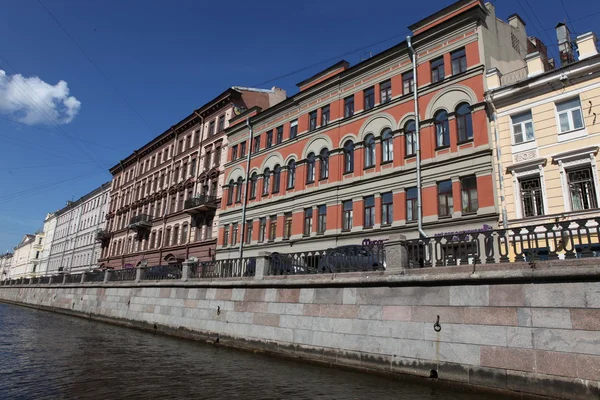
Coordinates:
163	59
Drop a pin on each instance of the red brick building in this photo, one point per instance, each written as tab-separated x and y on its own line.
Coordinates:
335	163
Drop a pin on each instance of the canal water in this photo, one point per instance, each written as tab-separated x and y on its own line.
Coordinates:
52	356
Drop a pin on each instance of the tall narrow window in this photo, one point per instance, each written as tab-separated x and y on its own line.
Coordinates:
442	131
253	182
369	96
242	149
310	168
387	208
349	106
269	139
531	196
211	128
322	220
279	138
445	202
411	204
464	122
230	190
437	70
369	151
276	178
581	187
272	227
291	174
348	156
256	144
308	218
522	125
312	120
239	190
287	226
569	115
410	138
293	128
468	190
221	126
192	169
184	233
234	151
266	181
206	159
324	164
234	233
249	228
369	217
347	215
387	144
325	116
459	61
175	240
385	90
262	229
407	82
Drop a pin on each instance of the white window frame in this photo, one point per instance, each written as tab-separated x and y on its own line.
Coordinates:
580	158
528	172
569	115
523	129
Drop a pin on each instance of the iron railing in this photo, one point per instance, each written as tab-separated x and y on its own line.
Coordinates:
198	201
94	276
233	268
57	279
551	241
121	275
102	235
44	280
73	278
162	272
141	220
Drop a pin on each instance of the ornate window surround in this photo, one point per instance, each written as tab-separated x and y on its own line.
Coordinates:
526	169
579	157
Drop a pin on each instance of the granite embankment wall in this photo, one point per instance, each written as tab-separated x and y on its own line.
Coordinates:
519	330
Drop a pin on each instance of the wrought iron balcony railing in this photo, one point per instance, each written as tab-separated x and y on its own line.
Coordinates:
102	235
201	202
141	221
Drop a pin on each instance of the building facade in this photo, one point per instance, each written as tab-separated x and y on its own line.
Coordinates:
5	265
27	256
49	228
76	245
335	164
165	195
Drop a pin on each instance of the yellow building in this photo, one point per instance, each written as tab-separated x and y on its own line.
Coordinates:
546	127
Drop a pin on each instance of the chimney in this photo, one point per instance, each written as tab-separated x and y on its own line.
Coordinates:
516	21
565	48
586	45
493	78
536	45
535	64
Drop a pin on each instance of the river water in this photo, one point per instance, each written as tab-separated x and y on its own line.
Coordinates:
52	356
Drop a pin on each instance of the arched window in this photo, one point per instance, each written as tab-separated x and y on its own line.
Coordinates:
410	138
464	123
238	193
387	145
276	178
266	181
230	192
348	156
291	174
324	164
253	182
442	131
310	168
369	151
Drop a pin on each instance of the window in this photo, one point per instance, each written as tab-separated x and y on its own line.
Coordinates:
249	227
464	123
310	168
173	204
349	106
410	138
269	139
256	144
347	215
181	198
581	187
531	196
459	61
234	151
276	178
266	181
192	169
287	226
238	192
242	149
322	219
369	95
272	227
197	137
522	125
437	70
385	90
181	149
369	151
312	120
569	115
253	181
221	125
468	192
324	164
279	137
291	174
184	169
217	160
234	233
206	159
369	204
293	128
411	204
387	209
211	128
442	131
230	190
348	156
325	116
175	240
262	229
184	233
445	203
387	144
308	219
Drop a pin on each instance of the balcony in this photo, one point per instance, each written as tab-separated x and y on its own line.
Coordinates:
200	203
139	222
102	235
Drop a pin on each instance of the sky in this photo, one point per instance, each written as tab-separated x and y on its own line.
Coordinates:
84	83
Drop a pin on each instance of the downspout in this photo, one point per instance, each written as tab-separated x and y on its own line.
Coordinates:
413	56
199	160
245	203
490	101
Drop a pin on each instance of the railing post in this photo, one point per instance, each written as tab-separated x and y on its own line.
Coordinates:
64	280
263	265
139	274
186	270
82	278
106	276
396	254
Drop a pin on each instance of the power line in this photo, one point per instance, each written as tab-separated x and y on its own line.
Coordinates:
567	14
42	166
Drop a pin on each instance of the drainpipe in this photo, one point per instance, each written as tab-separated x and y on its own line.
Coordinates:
198	164
413	56
490	101
244	204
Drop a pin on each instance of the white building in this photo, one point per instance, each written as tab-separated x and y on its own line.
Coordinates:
75	247
27	257
49	228
5	265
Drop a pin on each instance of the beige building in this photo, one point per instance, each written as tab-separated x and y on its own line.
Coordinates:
27	256
546	123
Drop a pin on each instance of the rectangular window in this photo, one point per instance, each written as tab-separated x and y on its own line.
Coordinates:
287	227
322	220
242	149
387	208
192	168
522	125
226	235
234	150
175	239
249	227
468	192
207	159
188	140
293	128
211	128
262	229
308	218
369	96
437	69
221	125
184	169
217	160
234	234
581	187
459	61
411	204
385	89
369	204
347	215
312	120
324	116
269	139
349	106
569	115
445	203
256	144
531	196
181	148
279	134
272	227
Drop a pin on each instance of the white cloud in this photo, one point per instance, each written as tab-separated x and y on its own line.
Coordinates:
33	101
